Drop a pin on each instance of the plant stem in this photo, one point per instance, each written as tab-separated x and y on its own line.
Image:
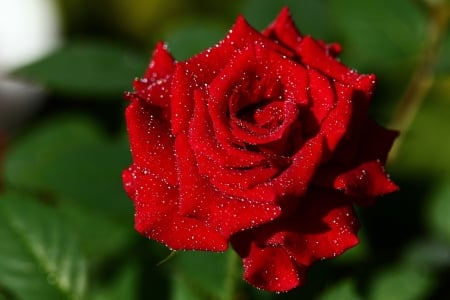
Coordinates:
423	76
232	277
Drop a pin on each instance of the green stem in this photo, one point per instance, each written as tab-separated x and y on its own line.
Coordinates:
423	76
3	144
232	279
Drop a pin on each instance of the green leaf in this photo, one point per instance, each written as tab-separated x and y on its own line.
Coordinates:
32	161
69	159
189	37
181	290
441	88
104	236
438	212
378	33
401	282
429	254
202	274
123	286
39	257
443	66
87	68
343	290
425	147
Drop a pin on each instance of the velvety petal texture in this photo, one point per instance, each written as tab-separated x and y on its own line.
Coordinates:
262	141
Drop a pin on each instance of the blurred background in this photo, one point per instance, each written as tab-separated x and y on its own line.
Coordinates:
66	226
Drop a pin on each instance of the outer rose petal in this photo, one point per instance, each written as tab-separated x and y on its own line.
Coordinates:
312	54
214	59
150	139
271	268
162	63
297	239
367	180
182	104
283	30
376	142
157	215
155	85
357	165
323	97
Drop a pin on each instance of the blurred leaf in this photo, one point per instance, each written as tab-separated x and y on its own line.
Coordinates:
426	145
443	66
39	257
344	290
87	68
181	290
311	16
401	282
438	212
264	295
104	236
123	287
441	89
69	158
378	32
189	37
70	161
202	273
140	18
429	254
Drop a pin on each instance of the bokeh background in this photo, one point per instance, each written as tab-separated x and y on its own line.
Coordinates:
66	225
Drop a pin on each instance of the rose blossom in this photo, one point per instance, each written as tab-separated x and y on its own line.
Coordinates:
263	141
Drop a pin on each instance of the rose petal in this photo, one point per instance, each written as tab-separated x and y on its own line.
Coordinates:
235	81
191	185
368	179
214	59
298	238
336	123
376	142
205	142
366	141
150	139
154	86
157	215
162	63
323	96
295	179
283	30
222	212
270	269
321	231
182	104
313	55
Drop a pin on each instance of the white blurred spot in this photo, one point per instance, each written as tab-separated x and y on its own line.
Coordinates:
29	29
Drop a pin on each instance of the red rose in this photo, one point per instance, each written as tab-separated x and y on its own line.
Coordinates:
263	141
